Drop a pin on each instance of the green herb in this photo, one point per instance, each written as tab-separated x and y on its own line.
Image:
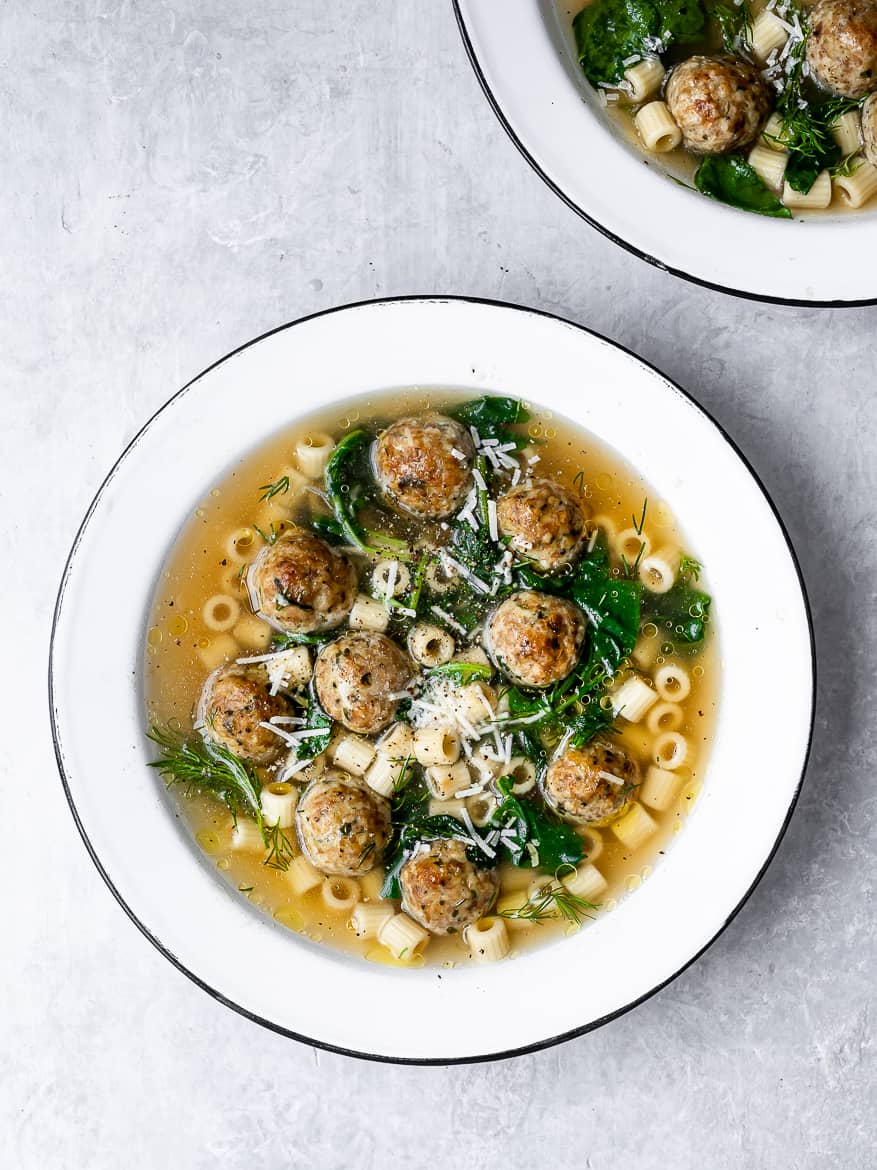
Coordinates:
735	21
682	610
412	601
347	469
490	415
473	549
612	607
552	902
246	889
462	672
730	179
808	138
287	641
210	767
280	848
532	837
270	490
593	720
315	744
640	524
690	568
268	537
847	166
610	32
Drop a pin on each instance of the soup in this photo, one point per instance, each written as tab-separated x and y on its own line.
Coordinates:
432	679
769	107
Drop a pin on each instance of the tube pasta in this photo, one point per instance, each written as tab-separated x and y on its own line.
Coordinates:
644	79
592	842
430	645
664	717
673	682
845	132
635	827
670	750
339	893
486	767
633	699
397	742
451	808
487	939
402	936
858	188
768	33
585	881
658	570
290	669
436	745
218	651
772	134
474	655
656	127
384	774
240	545
659	788
631	544
817	198
446	780
523	772
605	525
473	702
369	614
506	906
481	808
302	876
438	579
368	918
769	163
220	612
386	571
252	633
312	453
278	800
246	835
353	754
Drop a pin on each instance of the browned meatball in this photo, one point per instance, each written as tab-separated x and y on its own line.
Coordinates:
719	103
842	46
343	826
535	638
234	702
416	465
545	522
869	129
357	675
443	890
301	584
591	783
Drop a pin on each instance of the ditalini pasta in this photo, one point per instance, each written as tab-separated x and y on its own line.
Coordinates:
761	107
416	717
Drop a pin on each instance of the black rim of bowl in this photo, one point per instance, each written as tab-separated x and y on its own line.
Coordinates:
212	991
743	294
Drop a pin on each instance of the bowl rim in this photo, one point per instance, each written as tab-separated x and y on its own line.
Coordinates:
588	217
273	1026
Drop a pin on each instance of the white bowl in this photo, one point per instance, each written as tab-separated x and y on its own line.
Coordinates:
524	55
311	992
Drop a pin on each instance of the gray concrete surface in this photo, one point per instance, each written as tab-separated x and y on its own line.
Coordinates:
179	177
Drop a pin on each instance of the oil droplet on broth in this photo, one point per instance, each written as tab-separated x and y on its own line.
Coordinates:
382	955
603	481
222	863
178	626
154	636
290	917
633	881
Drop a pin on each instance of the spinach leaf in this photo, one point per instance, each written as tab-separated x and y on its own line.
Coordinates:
525	823
612	606
683	609
473	549
735	21
594	719
287	641
490	414
314	744
807	136
609	32
462	672
730	179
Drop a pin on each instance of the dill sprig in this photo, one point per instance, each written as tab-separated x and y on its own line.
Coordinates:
197	764
690	568
735	22
269	537
279	846
279	488
552	902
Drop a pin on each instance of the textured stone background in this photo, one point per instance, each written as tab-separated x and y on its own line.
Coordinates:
179	177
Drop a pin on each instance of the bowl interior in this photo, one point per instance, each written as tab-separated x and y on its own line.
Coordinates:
276	976
523	53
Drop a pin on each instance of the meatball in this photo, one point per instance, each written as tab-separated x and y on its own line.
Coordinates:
301	584
544	521
719	103
424	464
442	889
869	129
234	703
535	638
356	678
343	826
577	784
842	46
